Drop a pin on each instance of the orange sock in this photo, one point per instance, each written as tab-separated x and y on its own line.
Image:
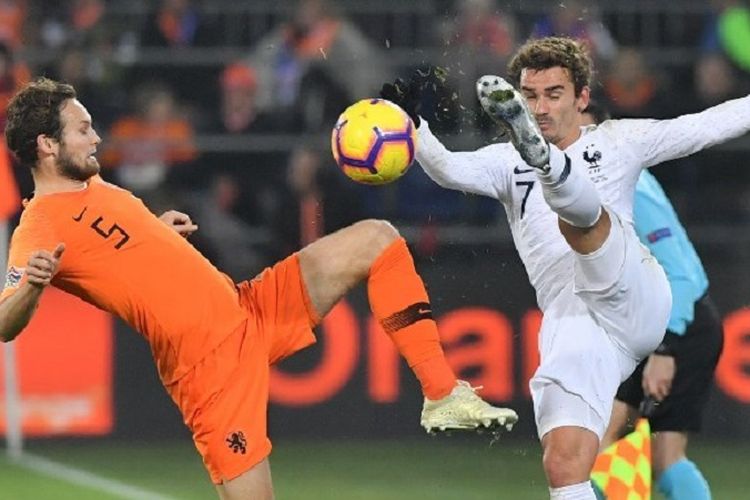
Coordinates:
399	301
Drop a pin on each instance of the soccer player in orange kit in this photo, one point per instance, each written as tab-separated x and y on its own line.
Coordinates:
212	340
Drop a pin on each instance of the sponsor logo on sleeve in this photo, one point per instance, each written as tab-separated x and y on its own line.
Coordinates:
13	277
659	234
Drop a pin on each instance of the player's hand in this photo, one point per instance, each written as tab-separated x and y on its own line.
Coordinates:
43	266
179	222
406	95
658	375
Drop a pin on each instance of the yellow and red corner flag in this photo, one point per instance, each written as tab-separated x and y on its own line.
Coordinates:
10	201
623	470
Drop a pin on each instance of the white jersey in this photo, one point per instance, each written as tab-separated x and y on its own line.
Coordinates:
612	154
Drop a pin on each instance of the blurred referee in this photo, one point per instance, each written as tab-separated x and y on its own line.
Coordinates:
671	386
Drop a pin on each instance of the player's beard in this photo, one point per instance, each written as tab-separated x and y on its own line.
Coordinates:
68	167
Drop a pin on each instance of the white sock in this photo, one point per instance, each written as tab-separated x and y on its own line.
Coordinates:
580	491
568	192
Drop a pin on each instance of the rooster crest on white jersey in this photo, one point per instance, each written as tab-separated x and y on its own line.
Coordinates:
507	107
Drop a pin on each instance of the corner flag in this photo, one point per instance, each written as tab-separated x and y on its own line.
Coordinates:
623	470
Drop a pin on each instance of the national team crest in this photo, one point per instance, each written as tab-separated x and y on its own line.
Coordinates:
593	157
13	277
236	442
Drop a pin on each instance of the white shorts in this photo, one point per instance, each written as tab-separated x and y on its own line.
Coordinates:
597	329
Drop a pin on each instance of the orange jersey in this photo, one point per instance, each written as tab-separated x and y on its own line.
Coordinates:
121	258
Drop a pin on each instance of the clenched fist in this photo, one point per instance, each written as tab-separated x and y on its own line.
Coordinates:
43	266
179	222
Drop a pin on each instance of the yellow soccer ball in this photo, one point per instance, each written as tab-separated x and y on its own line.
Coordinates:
374	141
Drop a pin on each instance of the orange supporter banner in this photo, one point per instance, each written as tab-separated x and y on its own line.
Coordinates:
64	368
10	200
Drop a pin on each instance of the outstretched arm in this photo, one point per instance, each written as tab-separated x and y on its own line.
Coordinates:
656	141
477	172
17	309
485	171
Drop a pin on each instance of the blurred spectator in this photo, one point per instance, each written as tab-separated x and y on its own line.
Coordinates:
710	38
632	89
238	87
484	29
238	109
13	75
92	50
727	31
477	37
12	17
234	246
177	23
257	170
715	81
79	23
10	199
341	65
317	200
85	22
97	83
578	19
142	147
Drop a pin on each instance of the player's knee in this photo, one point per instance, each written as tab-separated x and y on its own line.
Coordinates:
377	234
559	468
588	239
564	465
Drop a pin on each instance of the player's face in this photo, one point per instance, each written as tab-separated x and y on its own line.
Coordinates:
553	101
76	158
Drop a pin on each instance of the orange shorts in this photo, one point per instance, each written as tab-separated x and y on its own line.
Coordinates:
224	398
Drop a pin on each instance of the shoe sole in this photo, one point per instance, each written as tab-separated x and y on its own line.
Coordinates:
508	108
505	423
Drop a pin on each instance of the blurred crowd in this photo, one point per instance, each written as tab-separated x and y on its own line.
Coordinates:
223	109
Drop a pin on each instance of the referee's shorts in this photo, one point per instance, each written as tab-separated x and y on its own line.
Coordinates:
695	360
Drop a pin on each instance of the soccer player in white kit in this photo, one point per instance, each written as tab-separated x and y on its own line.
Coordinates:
568	195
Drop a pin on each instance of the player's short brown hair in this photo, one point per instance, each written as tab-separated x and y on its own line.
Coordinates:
550	52
35	110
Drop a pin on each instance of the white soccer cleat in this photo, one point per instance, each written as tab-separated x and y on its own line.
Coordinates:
509	109
463	409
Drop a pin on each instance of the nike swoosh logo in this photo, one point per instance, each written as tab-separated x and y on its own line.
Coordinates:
519	170
80	216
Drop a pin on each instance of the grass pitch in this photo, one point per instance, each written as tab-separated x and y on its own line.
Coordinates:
449	468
